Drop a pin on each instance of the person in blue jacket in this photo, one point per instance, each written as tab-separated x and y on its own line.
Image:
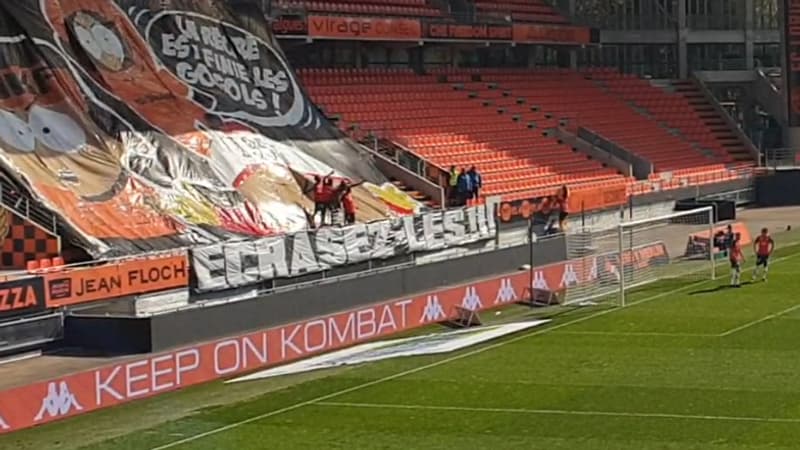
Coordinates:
464	187
475	181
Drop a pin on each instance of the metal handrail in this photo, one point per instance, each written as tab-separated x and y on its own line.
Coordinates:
779	157
22	274
20	204
418	177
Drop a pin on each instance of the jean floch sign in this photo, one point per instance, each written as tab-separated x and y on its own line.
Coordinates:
229	265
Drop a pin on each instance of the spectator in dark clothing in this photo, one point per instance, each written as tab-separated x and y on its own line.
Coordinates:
316	194
464	188
475	181
729	240
563	206
349	206
551	228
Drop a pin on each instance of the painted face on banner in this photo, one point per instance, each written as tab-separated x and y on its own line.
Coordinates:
44	136
100	40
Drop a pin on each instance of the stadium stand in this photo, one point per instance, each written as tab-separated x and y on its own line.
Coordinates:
501	124
519	11
446	124
524	11
681	107
411	8
589	104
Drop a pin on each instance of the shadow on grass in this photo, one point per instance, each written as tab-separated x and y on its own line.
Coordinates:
719	288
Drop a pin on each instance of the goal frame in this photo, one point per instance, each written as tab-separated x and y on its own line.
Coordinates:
623	226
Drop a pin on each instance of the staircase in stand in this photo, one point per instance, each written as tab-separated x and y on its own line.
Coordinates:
710	116
392	152
19	202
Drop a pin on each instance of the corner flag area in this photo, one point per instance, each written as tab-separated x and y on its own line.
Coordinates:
689	365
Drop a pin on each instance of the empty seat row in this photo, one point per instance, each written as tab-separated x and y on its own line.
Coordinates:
451	127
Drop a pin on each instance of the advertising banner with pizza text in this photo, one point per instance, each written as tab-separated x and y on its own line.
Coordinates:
21	296
146	376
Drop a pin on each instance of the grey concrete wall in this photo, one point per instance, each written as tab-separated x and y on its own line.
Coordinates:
778	188
199	324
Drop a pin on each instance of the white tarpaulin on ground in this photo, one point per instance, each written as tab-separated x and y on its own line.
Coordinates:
430	344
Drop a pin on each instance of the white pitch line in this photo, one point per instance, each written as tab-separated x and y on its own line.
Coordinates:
761	320
561	412
634	333
418	369
431	365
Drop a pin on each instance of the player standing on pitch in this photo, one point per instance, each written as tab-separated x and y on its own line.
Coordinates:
763	246
737	259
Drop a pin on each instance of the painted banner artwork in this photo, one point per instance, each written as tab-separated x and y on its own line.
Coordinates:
146	128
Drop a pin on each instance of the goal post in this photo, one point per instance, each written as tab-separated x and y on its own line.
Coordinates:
687	238
606	264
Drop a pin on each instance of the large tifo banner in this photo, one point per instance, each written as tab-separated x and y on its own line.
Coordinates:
143	377
230	265
145	128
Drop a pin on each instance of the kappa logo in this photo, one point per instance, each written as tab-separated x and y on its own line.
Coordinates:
433	311
539	281
471	300
592	271
58	402
569	277
506	293
614	269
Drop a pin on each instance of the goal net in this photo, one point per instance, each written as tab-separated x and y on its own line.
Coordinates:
605	265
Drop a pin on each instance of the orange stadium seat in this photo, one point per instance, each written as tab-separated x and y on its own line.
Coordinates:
535	11
593	102
449	126
409	8
497	124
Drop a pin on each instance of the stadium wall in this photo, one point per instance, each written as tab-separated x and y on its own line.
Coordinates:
146	376
778	188
160	332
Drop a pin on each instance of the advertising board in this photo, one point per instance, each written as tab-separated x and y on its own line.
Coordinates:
146	376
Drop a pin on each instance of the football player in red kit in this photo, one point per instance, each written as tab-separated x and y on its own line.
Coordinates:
763	247
737	259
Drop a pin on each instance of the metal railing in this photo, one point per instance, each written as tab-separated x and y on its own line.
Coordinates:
21	205
718	63
400	153
408	168
641	167
777	158
20	274
734	127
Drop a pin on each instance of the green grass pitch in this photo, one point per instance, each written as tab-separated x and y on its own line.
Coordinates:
684	366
